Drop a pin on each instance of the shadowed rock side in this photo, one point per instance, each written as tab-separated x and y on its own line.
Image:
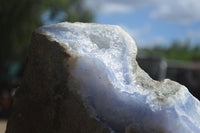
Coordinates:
44	104
83	78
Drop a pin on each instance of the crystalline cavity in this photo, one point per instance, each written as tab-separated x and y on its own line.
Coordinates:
116	91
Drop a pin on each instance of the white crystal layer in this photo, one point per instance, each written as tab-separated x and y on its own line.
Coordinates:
114	87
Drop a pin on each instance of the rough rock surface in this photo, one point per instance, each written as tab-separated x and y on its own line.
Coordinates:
83	78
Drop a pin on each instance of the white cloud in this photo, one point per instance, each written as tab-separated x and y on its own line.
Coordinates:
143	36
111	8
178	11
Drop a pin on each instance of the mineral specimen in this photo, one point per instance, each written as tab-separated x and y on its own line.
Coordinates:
84	78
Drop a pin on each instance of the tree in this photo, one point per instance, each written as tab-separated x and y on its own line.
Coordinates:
18	20
177	50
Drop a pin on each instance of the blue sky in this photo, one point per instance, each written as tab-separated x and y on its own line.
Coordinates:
151	22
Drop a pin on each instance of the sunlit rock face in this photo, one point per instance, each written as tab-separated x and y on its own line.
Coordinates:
100	70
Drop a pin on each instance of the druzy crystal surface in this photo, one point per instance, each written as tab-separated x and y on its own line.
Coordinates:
114	89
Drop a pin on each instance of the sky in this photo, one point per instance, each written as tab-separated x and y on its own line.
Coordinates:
151	22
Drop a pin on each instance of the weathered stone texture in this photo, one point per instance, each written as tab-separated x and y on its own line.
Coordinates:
44	104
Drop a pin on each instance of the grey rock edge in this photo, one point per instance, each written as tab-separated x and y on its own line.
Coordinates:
83	78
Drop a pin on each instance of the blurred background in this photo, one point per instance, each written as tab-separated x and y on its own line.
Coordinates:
167	34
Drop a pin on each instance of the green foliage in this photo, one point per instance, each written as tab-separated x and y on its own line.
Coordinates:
176	51
20	17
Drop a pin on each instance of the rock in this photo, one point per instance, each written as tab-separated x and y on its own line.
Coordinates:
84	78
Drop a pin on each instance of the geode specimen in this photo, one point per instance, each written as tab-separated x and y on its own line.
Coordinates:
84	78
